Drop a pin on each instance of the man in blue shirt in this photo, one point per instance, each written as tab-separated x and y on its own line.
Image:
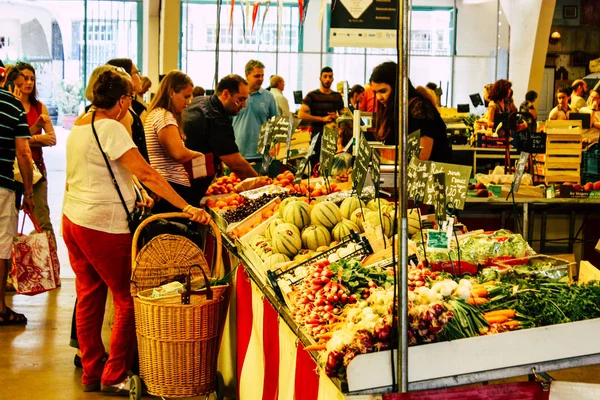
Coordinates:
260	107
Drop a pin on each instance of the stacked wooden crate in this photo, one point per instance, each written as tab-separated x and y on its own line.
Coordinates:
563	151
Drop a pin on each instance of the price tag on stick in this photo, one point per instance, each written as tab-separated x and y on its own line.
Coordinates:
328	149
457	182
263	137
304	162
439	195
417	177
376	169
521	164
414	145
361	165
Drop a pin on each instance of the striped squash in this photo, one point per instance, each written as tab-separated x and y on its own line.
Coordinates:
350	204
383	219
315	236
286	239
284	204
326	214
376	204
275	259
343	229
297	213
357	217
271	227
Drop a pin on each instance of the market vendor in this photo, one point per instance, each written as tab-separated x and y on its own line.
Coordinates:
208	129
422	115
320	107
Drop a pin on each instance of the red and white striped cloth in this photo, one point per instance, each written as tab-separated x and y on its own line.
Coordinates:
271	362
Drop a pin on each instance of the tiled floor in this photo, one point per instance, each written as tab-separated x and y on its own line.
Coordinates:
36	361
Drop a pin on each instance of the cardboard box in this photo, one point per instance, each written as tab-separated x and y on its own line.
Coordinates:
570	192
587	273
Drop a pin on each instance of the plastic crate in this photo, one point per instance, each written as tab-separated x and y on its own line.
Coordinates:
585	178
590	162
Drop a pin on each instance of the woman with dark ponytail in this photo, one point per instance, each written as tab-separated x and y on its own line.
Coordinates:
422	114
96	231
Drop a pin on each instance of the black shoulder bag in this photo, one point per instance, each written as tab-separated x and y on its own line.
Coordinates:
138	214
135	218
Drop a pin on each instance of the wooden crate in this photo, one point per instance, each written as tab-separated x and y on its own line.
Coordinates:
563	152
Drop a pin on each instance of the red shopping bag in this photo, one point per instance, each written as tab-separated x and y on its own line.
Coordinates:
505	391
34	261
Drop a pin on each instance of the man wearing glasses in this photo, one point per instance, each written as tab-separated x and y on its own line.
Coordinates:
208	129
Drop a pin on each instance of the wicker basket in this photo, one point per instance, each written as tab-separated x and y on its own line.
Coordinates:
167	256
178	343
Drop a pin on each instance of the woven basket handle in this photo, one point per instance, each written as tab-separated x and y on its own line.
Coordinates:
218	268
185	296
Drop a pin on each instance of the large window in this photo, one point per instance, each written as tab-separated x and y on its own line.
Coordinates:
66	39
298	53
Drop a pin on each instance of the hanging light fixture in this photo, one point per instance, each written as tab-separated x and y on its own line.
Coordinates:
554	37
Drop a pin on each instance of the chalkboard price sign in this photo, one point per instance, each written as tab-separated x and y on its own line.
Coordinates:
376	170
328	149
417	177
361	166
304	162
531	142
457	183
414	144
439	195
523	160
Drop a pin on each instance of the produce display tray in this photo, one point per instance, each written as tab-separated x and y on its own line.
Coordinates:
483	358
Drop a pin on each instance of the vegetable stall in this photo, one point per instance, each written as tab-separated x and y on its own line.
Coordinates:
315	289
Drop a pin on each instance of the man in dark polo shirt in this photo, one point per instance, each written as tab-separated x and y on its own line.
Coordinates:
207	123
321	107
14	138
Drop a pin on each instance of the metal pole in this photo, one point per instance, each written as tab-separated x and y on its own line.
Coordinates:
403	53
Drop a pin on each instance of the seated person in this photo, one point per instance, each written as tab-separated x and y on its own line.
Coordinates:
563	109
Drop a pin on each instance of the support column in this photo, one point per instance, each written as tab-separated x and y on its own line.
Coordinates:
151	53
170	35
530	23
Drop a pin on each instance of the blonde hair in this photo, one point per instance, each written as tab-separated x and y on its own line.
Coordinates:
99	70
176	81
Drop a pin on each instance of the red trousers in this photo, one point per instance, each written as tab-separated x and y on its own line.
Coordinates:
102	261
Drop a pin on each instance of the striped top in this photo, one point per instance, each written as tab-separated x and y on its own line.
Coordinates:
13	125
170	169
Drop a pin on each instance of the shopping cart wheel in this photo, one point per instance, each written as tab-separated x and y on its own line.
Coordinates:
135	388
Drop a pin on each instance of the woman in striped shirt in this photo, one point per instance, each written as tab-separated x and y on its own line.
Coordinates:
165	137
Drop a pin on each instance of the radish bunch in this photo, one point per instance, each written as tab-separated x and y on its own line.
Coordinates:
420	276
320	298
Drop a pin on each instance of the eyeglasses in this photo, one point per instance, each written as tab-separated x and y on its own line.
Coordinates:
131	96
136	73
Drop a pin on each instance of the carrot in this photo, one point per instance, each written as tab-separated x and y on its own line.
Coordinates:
479	291
498	313
496	319
511	324
475	301
326	335
316	347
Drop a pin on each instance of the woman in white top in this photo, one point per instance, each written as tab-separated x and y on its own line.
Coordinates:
96	232
164	135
